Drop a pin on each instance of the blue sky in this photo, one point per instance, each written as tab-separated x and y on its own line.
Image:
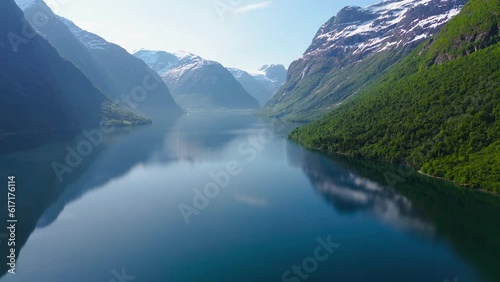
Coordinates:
238	33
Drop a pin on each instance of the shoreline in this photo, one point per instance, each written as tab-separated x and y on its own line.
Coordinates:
385	161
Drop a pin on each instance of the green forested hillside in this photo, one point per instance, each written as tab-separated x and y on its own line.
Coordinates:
352	50
438	109
334	87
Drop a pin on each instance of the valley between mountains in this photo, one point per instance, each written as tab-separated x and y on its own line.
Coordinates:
405	81
284	141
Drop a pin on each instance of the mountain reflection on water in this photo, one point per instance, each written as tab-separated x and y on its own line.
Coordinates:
467	219
258	227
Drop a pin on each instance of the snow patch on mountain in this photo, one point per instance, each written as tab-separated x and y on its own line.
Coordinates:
25	4
237	73
257	72
264	73
159	61
172	65
88	39
176	72
186	56
271	77
437	20
383	26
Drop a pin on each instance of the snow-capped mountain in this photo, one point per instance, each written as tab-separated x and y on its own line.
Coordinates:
237	73
25	4
110	68
251	85
174	65
89	40
354	47
196	83
43	93
271	77
384	26
128	72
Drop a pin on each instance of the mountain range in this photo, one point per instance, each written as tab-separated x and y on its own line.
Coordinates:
42	92
270	77
133	84
198	84
437	109
251	85
407	81
122	77
352	49
263	83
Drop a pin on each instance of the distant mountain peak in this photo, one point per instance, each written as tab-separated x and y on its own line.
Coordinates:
197	83
184	55
238	73
108	66
269	77
271	66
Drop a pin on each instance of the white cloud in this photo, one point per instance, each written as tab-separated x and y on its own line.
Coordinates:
252	7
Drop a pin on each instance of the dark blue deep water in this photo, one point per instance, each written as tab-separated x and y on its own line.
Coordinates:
226	197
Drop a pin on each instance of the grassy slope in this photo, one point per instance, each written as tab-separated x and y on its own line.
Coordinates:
438	109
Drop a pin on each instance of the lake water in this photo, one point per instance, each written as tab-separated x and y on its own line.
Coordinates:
143	205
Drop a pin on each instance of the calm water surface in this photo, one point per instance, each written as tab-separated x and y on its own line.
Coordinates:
117	216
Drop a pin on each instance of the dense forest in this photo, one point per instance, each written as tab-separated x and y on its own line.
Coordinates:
438	109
